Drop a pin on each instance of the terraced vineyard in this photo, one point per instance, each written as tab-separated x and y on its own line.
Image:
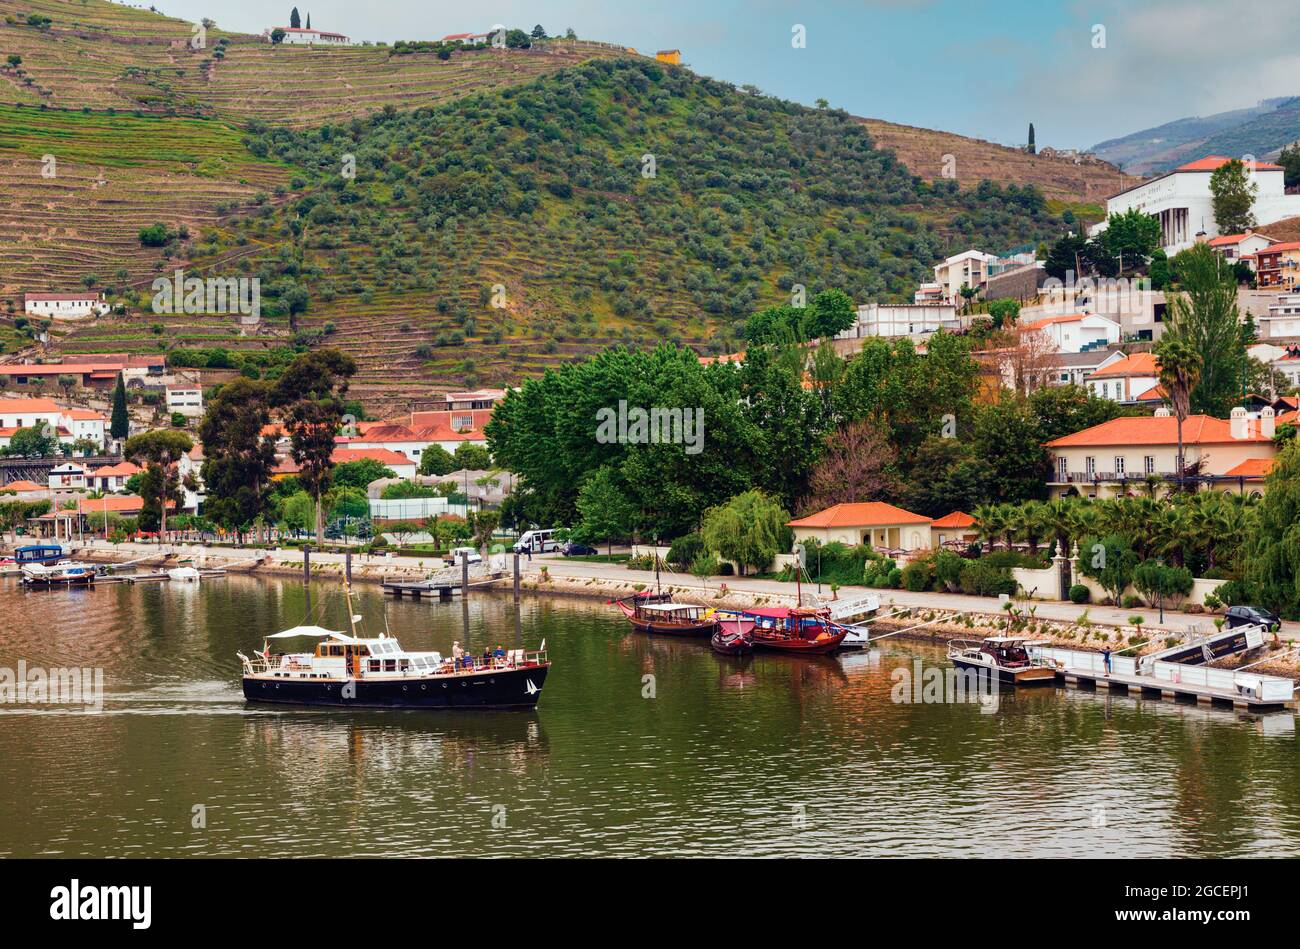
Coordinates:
501	220
102	55
80	213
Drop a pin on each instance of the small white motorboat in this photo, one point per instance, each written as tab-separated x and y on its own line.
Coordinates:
65	572
184	574
1005	657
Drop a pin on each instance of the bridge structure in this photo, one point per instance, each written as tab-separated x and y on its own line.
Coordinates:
38	469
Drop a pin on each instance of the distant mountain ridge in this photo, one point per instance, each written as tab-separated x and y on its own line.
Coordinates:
1262	130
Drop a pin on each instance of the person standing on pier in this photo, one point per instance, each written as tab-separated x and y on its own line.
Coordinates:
1105	658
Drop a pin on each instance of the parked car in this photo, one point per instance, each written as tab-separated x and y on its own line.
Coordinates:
457	554
1253	616
577	550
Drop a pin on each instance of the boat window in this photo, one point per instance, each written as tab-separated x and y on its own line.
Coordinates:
390	665
374	665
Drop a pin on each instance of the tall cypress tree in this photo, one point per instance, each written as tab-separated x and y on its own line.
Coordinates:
294	20
1033	149
120	424
309	21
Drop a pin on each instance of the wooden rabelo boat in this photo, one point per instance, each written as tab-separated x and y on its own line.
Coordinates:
795	629
656	613
733	636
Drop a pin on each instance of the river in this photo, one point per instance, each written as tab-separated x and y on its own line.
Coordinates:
639	746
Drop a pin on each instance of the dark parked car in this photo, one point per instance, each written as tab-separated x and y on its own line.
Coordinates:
577	550
1252	616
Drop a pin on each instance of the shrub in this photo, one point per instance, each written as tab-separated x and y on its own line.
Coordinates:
644	562
1080	593
876	572
685	549
979	578
1131	602
1232	593
895	579
917	576
1212	602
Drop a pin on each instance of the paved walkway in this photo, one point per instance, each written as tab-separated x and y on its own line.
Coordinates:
1044	609
559	566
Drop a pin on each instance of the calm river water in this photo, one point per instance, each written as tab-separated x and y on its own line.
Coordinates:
764	756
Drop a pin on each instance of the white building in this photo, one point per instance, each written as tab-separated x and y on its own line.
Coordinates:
1076	332
968	269
1135	378
185	399
1182	202
65	306
1283	319
903	319
67	477
1235	247
67	425
293	36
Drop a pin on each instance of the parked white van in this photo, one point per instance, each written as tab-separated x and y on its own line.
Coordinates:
539	542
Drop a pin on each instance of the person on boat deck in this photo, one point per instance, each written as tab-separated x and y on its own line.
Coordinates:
498	653
456	652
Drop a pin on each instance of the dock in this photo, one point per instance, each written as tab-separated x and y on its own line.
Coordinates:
444	584
1169	680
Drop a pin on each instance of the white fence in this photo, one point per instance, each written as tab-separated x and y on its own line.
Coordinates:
1262	687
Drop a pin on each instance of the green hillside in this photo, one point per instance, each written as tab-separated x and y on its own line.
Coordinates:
510	209
543	192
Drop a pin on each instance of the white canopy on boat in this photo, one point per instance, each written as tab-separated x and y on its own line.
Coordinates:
668	607
316	631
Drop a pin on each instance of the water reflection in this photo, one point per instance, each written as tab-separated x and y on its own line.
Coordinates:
762	754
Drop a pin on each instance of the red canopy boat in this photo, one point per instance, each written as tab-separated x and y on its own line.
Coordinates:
795	629
656	613
732	637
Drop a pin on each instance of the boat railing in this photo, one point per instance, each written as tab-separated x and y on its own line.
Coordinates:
260	664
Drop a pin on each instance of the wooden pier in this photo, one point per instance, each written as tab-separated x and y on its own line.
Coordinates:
444	584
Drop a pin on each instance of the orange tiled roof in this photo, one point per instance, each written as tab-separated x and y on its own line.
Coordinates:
1213	162
23	485
1050	320
1138	364
1155	392
955	519
23	406
123	470
864	514
1157	430
1251	468
342	456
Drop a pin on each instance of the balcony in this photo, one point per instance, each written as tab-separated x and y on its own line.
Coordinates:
1110	477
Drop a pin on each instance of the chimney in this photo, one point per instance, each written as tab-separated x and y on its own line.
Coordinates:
1238	423
1267	424
1162	412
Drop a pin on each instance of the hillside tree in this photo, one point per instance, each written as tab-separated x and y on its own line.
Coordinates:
1234	190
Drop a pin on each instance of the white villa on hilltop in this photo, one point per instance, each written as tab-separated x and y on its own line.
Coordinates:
294	36
1182	202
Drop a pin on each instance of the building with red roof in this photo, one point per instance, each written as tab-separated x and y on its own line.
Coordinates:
1119	456
880	525
1182	202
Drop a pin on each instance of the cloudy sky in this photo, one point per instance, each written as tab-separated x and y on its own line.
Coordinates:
1080	70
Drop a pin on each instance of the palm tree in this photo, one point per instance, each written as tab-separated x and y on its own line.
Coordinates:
1057	521
1180	371
990	520
1013	517
1033	523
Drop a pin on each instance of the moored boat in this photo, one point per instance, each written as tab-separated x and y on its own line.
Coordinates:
1004	656
184	574
732	637
795	629
656	613
64	572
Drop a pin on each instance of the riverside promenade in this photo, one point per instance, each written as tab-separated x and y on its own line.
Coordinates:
598	580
